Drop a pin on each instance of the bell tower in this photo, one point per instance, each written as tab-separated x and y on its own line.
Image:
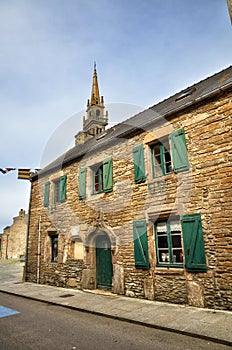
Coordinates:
95	121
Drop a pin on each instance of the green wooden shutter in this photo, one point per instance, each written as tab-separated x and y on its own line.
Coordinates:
62	190
179	151
140	244
82	183
139	168
194	251
46	194
108	175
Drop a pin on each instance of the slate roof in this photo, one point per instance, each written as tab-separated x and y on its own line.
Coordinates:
196	93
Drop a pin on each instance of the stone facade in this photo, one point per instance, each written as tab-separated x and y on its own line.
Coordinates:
203	190
13	240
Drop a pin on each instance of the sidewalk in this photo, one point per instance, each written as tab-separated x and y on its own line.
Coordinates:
204	323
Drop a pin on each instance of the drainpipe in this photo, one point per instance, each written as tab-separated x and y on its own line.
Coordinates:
38	252
7	242
27	237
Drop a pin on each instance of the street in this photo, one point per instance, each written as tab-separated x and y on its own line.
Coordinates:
44	326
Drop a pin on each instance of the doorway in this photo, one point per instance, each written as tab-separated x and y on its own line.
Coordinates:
104	267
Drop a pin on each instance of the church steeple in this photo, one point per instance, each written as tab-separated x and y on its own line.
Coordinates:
95	96
95	121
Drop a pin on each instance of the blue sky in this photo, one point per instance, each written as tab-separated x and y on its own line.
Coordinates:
145	51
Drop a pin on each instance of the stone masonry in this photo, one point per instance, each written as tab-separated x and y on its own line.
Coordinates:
14	238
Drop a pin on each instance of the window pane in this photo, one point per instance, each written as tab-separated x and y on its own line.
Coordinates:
163	256
176	241
96	184
163	241
175	225
161	227
157	160
54	246
167	157
167	161
175	234
177	256
98	179
168	240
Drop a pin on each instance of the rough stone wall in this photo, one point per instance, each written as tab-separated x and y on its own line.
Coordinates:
67	275
204	189
209	139
14	237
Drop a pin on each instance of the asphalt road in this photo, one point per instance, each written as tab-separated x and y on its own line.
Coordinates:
43	326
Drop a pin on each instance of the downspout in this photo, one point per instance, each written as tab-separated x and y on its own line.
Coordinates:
7	243
38	252
27	237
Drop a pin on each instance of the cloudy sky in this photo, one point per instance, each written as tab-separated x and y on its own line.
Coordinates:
145	51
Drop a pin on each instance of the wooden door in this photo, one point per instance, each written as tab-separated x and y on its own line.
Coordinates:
104	267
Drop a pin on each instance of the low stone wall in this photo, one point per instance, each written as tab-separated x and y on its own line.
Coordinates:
66	275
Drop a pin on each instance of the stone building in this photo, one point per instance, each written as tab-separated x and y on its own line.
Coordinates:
142	208
13	238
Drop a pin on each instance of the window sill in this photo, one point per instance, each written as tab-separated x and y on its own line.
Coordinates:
95	196
101	194
165	177
170	269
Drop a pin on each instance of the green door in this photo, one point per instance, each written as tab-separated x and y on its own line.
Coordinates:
104	262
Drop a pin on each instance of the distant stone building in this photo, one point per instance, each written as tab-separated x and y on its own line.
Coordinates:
229	3
13	239
142	208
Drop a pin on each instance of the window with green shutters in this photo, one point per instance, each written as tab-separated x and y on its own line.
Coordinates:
46	194
59	186
103	176
194	251
161	158
139	167
179	151
62	192
168	243
169	154
140	244
82	183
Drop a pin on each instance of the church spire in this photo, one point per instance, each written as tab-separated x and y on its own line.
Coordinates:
95	120
95	96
